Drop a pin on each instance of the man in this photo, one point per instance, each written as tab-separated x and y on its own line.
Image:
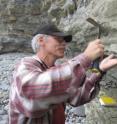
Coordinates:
40	89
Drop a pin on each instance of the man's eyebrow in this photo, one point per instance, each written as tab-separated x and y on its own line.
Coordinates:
58	37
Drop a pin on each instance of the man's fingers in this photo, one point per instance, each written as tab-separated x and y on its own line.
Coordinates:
101	46
110	56
113	63
98	41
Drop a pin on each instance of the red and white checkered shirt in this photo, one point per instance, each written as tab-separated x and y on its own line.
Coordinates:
37	91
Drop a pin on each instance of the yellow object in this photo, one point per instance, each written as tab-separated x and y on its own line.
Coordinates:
107	101
94	70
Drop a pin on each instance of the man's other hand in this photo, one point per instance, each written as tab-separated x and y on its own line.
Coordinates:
108	62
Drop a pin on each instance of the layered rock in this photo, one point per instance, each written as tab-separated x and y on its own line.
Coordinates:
104	12
19	19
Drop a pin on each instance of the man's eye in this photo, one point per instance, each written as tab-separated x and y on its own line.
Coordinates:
60	39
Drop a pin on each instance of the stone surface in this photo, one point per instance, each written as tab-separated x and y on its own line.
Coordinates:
104	12
19	19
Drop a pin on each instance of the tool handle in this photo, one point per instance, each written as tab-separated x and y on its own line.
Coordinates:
97	61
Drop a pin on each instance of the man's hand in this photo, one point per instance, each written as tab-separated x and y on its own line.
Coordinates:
94	50
108	63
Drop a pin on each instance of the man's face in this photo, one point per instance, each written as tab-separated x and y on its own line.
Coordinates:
54	46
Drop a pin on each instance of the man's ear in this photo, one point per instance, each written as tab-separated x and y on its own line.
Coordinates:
41	40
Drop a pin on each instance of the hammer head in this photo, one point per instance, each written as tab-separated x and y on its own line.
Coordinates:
96	24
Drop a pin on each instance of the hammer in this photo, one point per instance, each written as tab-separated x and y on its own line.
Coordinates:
93	22
96	24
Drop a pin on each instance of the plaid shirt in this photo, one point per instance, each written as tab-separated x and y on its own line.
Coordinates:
36	91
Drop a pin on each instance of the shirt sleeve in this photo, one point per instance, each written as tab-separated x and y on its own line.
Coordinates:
35	91
87	91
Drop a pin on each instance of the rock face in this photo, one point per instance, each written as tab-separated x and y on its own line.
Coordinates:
104	12
19	19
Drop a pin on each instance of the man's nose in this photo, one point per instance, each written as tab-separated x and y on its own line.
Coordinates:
63	42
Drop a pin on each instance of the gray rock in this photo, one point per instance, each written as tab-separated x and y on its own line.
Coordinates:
2	112
79	111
